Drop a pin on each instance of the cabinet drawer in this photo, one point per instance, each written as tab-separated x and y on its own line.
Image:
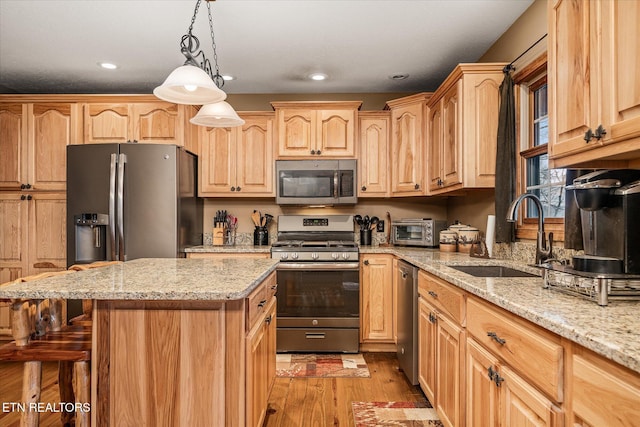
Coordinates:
271	286
443	296
534	353
256	304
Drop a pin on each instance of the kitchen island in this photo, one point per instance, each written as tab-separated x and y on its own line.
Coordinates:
174	339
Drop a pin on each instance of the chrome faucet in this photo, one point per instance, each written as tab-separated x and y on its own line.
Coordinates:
543	252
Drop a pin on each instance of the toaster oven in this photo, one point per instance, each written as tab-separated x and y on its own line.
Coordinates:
423	232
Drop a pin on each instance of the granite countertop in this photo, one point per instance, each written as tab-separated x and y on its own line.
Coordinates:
153	279
612	331
235	249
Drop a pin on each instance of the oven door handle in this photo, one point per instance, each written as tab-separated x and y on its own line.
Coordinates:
319	266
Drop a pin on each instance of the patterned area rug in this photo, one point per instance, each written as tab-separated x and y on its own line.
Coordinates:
321	365
413	414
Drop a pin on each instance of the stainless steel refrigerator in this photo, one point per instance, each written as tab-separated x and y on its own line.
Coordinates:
128	201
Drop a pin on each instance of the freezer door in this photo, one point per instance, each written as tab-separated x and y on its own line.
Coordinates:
150	201
88	171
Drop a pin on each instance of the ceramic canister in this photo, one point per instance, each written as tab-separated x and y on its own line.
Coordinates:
468	235
448	241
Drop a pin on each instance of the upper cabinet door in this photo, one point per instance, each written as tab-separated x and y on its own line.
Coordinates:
51	127
296	132
571	75
335	133
373	158
106	123
217	161
158	122
13	146
254	166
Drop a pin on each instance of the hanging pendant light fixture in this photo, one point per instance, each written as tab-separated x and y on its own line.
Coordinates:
197	83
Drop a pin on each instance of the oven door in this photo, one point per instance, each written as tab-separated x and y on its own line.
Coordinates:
318	294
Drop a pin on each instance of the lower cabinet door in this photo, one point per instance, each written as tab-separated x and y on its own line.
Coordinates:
482	393
523	405
427	331
449	367
256	379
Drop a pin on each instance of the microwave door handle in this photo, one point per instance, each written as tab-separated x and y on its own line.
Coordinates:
335	184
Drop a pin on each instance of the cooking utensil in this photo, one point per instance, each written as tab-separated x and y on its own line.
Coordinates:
255	216
358	220
374	221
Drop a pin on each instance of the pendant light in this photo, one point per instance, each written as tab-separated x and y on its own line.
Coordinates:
196	83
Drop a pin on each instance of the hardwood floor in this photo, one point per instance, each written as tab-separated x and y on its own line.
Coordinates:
308	402
326	402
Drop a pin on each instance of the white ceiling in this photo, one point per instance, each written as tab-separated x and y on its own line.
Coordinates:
270	46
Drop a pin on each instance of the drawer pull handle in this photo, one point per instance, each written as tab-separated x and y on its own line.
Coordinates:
262	303
268	320
314	335
433	294
494	376
274	287
432	318
496	338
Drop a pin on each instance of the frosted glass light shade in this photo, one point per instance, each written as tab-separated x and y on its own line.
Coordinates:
190	85
218	115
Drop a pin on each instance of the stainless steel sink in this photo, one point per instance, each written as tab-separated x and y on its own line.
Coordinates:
491	271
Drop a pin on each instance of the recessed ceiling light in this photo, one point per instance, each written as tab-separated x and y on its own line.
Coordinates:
108	65
399	76
228	77
318	76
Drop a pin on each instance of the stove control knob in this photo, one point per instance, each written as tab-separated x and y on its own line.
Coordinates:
345	255
314	256
294	255
335	255
284	255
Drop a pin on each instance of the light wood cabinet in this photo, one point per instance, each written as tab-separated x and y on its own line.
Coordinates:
5	321
462	153
373	158
33	233
376	299
408	150
33	142
238	162
441	348
260	349
594	98
316	129
152	122
603	393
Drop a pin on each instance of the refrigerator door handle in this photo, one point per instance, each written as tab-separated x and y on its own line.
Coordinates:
122	160
112	207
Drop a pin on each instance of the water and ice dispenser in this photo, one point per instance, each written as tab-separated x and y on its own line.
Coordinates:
91	237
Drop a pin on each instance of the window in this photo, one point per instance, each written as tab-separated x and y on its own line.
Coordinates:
534	174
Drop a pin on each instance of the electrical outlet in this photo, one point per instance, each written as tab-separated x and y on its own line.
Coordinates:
380	226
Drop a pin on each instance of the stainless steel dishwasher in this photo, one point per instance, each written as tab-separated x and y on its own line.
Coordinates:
407	315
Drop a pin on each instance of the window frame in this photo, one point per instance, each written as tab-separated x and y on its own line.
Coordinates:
530	77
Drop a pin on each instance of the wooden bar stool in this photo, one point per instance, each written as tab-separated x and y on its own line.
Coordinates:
40	336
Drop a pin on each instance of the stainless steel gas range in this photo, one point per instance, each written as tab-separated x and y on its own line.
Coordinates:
318	284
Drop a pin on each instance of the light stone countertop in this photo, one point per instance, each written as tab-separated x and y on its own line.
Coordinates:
235	249
177	279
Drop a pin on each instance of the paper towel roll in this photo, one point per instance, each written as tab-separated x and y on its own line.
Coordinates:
490	235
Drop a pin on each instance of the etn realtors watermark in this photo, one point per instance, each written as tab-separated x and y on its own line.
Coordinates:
45	407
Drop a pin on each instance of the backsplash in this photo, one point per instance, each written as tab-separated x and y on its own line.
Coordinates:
526	252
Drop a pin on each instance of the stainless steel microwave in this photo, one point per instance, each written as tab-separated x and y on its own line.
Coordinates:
417	231
316	182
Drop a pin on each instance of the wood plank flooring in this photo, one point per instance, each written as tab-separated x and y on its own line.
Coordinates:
325	402
308	402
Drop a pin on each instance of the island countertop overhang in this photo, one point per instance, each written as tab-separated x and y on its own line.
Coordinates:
176	279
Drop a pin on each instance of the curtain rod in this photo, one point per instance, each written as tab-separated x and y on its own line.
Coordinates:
510	66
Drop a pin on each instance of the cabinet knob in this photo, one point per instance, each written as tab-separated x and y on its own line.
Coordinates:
417	186
267	320
29	197
238	188
588	135
440	183
600	132
23	197
233	188
23	186
313	151
432	318
28	186
366	262
364	188
318	152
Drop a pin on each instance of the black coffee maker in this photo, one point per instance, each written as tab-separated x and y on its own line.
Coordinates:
609	202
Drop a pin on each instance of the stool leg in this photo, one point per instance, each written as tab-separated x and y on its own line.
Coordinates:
65	383
31	382
82	387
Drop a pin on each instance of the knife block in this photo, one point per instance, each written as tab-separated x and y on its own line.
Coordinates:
218	235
